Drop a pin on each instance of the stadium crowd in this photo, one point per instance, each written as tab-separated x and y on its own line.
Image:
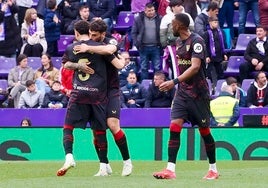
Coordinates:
34	29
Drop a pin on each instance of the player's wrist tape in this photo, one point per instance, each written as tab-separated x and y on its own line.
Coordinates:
175	81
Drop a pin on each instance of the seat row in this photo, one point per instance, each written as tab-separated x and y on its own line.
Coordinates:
7	63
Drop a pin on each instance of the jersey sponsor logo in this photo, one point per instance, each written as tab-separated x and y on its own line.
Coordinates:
184	62
85	88
198	48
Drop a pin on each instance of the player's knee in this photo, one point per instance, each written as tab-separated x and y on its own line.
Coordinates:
113	125
204	131
175	126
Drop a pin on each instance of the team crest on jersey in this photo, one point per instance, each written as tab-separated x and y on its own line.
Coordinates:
113	42
198	48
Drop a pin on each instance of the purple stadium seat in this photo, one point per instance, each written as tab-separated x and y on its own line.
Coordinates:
243	40
6	64
124	21
56	62
118	2
249	21
3	88
246	83
218	87
63	42
146	82
233	65
34	62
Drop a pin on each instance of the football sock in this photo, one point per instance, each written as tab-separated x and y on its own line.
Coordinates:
121	142
68	139
95	143
213	167
174	142
171	166
102	146
209	144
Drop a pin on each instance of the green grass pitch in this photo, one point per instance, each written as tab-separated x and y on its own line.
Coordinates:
32	174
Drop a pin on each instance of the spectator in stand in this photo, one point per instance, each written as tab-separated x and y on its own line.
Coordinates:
31	98
66	79
84	14
166	33
225	110
244	7
33	35
146	37
17	78
162	8
69	13
257	94
10	40
201	23
167	39
52	26
215	53
256	54
23	6
104	10
129	66
138	6
46	74
55	98
192	8
156	98
26	122
133	94
263	11
226	13
238	92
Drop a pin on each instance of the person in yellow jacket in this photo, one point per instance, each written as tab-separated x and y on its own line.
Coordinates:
225	109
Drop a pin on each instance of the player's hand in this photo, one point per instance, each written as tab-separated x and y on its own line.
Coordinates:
82	48
220	124
167	85
86	69
131	101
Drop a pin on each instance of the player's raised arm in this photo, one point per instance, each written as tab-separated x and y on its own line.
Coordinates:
79	66
101	49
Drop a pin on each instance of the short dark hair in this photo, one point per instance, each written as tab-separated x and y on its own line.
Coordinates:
82	6
173	3
257	75
213	18
212	6
56	81
20	58
160	73
82	27
263	27
51	4
29	83
183	18
231	80
98	26
149	5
